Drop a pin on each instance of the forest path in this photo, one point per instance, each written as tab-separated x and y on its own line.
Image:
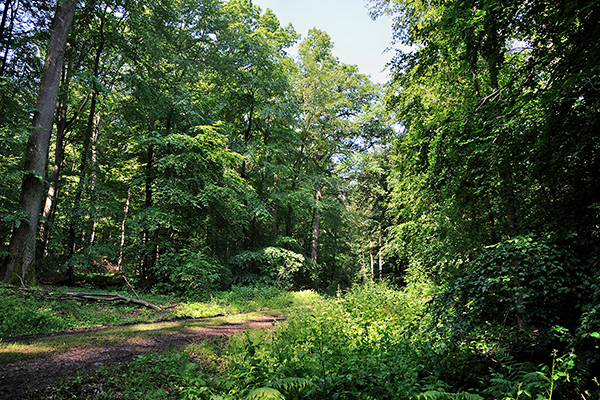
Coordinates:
54	356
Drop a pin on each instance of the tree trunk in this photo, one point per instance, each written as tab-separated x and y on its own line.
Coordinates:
20	268
4	15
372	260
315	232
63	125
125	211
6	39
146	260
380	256
363	266
91	230
274	209
316	221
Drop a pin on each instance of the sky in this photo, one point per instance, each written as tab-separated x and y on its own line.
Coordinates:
357	39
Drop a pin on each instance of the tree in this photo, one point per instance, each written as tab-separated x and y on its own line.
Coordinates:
20	267
334	119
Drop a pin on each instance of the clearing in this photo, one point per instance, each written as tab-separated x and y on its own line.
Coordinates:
40	360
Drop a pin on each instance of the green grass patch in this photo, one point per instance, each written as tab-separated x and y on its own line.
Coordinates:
121	335
246	299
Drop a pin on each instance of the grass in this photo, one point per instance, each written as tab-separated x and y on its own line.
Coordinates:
12	352
34	315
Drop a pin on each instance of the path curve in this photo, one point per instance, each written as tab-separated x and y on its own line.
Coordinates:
16	378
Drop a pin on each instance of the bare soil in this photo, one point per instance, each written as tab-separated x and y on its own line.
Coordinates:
16	378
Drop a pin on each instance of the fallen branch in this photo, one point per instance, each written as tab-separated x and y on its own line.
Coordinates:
47	295
112	297
131	287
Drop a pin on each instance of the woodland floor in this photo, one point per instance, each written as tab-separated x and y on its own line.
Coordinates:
17	377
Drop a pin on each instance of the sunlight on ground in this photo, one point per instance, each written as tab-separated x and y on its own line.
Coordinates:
105	337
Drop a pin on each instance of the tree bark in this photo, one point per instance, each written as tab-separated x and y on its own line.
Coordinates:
315	233
363	266
274	209
63	125
316	221
20	268
372	260
4	15
3	41
380	256
125	211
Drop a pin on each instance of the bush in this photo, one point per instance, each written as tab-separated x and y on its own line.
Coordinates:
23	315
270	265
189	274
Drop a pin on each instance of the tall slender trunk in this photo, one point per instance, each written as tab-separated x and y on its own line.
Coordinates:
75	226
91	229
125	211
363	266
7	5
58	159
315	231
372	259
8	37
380	256
274	209
316	221
146	260
21	262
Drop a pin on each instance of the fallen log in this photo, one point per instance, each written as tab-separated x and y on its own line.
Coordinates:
112	297
83	296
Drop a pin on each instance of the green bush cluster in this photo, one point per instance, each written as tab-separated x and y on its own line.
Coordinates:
23	315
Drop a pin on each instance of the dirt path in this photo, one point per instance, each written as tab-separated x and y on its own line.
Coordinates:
17	377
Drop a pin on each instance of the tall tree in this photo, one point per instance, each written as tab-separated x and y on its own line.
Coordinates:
20	267
334	98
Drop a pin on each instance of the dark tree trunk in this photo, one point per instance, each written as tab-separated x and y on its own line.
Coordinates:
274	209
316	222
315	231
63	125
380	256
20	268
5	39
90	132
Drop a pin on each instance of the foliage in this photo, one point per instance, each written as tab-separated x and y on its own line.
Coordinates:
276	264
189	274
23	315
342	349
525	291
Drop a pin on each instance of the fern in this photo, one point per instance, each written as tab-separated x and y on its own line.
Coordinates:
264	393
292	383
434	395
273	393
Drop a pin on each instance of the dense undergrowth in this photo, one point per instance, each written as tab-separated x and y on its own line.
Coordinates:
374	342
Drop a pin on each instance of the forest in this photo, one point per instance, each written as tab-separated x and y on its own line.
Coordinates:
442	229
